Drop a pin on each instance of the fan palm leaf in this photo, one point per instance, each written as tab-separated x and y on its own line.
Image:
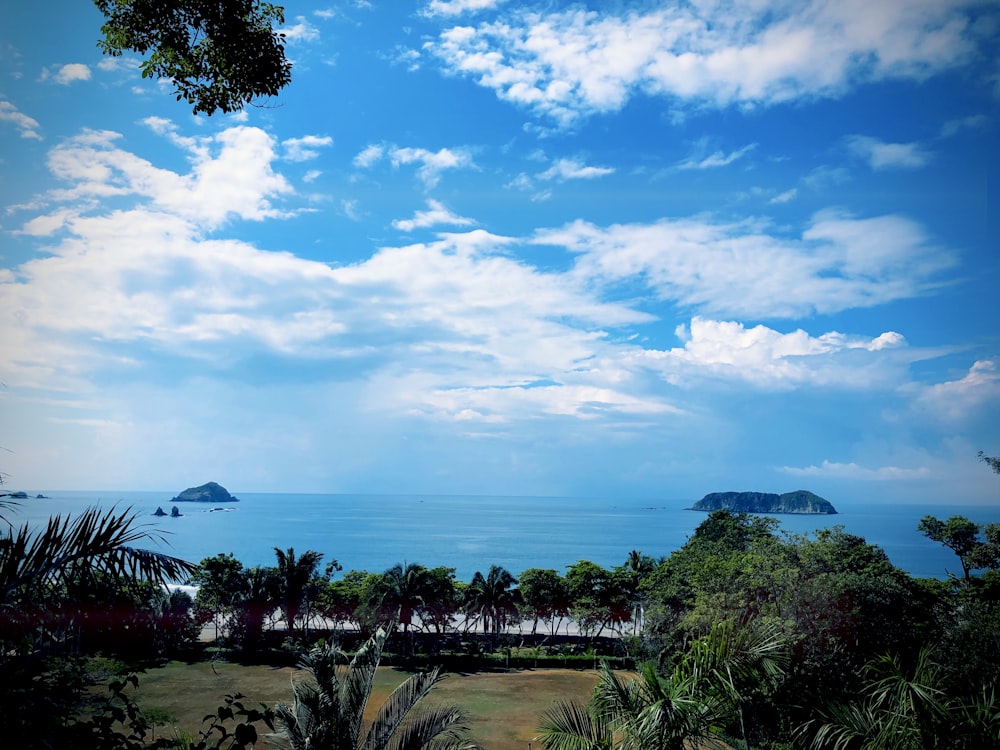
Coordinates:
568	725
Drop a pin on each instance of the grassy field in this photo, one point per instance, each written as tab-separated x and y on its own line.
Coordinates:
504	707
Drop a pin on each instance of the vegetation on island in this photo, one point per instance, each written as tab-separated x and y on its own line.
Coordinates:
800	501
743	637
210	492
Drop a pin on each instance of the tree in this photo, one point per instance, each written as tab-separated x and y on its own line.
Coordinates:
544	596
992	461
294	576
220	581
706	691
38	567
491	599
961	536
218	55
330	700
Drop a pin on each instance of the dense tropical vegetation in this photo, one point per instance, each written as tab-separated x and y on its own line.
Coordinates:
743	637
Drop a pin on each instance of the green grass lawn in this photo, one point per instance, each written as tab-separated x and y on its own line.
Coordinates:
503	707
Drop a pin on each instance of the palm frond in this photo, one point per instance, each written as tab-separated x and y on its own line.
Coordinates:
393	712
439	728
568	725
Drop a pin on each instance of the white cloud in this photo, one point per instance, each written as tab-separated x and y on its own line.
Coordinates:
570	64
770	359
785	197
231	174
27	126
974	395
67	74
881	155
457	7
435	215
432	163
956	126
740	269
304	148
300	31
573	169
369	156
835	470
716	159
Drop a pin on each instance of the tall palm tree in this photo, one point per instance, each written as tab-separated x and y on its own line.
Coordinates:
294	576
405	588
330	700
492	599
38	566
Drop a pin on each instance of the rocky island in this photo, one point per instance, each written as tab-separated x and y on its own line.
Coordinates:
800	501
206	493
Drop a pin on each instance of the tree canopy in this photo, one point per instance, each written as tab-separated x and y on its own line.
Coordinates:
218	55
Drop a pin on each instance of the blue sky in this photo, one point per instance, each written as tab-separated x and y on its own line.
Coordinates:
643	249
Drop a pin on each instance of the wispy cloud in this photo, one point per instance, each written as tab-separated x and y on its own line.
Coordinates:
27	126
837	263
436	214
572	169
855	471
305	148
716	158
882	155
300	31
458	7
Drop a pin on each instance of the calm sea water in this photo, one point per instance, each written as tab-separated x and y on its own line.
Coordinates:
470	533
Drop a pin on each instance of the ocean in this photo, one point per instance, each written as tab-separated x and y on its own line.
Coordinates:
473	532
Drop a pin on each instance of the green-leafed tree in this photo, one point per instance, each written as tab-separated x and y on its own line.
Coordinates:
961	536
217	55
329	703
544	596
441	600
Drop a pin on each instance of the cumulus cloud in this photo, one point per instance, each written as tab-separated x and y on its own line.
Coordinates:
368	156
67	74
432	163
977	393
300	31
436	214
771	359
27	126
838	262
570	64
231	174
881	155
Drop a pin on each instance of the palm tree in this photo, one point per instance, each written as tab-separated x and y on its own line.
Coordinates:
330	700
691	707
294	575
39	566
900	708
405	588
490	598
642	713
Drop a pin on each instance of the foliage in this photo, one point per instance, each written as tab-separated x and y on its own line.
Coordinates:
961	536
218	55
330	700
544	596
295	574
492	599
